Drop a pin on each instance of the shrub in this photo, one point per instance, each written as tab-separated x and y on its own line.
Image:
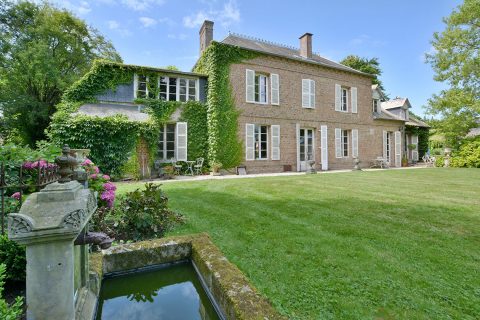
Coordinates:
468	155
13	311
13	256
439	161
144	214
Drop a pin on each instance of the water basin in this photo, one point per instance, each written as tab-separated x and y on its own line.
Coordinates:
172	292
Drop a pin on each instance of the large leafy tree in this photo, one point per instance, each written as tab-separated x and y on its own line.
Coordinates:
371	66
456	61
43	50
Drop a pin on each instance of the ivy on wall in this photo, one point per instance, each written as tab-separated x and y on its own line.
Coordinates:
113	140
423	136
224	145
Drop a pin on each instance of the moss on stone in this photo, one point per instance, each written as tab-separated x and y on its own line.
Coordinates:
237	298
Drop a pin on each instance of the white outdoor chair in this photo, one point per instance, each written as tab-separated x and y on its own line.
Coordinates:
198	166
177	167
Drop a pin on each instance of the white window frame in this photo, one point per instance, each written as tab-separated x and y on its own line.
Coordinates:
375	105
164	140
177	86
267	81
345	145
388	147
344	100
259	136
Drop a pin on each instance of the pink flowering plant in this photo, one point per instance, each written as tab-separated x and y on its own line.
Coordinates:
31	170
100	183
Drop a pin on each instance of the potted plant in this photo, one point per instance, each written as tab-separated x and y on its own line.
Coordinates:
404	161
168	172
216	166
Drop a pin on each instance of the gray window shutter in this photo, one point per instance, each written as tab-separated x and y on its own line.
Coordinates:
250	141
275	142
353	92
135	85
275	86
181	141
312	94
305	93
324	147
250	85
385	146
338	143
398	149
355	143
338	96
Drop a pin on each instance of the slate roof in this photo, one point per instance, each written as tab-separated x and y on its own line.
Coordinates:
395	103
386	115
264	46
102	110
412	121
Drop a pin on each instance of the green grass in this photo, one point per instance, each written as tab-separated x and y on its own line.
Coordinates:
398	244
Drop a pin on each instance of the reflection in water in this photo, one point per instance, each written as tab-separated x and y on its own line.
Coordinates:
169	293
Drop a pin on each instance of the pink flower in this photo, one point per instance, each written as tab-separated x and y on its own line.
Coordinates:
87	162
93	176
108	197
106	177
109	186
96	170
27	165
16	196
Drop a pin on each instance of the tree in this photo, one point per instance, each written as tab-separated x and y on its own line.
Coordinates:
370	66
43	50
456	62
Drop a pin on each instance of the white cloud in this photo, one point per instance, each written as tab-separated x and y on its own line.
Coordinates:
180	36
367	40
142	5
147	22
82	8
112	24
226	16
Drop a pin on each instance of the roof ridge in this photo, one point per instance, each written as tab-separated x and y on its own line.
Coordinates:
261	40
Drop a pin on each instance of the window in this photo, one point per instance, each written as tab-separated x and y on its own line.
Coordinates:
375	105
389	145
260	88
308	93
166	143
345	143
261	142
142	87
169	88
344	100
256	87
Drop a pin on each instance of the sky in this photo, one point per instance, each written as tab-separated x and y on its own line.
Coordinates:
159	33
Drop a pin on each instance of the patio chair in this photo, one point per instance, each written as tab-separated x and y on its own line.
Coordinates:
176	167
198	166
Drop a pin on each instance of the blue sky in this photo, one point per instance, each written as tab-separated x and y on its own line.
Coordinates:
165	32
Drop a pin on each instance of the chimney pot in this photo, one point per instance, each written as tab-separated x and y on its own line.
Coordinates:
306	45
206	35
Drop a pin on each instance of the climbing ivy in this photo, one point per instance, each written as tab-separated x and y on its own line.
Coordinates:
224	145
113	140
423	136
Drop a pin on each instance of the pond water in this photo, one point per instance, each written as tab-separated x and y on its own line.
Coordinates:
168	293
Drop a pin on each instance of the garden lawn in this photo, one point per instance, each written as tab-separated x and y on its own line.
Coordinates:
396	244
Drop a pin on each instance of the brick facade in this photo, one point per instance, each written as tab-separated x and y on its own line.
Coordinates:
289	114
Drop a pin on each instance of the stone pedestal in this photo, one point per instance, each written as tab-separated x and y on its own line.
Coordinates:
48	223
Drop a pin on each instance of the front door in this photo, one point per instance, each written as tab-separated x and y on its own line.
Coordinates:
306	148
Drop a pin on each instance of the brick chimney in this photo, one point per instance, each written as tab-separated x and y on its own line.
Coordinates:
206	35
306	45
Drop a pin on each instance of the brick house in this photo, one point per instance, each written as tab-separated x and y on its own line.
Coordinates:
296	105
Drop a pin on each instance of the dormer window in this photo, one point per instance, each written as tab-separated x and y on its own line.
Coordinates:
376	102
